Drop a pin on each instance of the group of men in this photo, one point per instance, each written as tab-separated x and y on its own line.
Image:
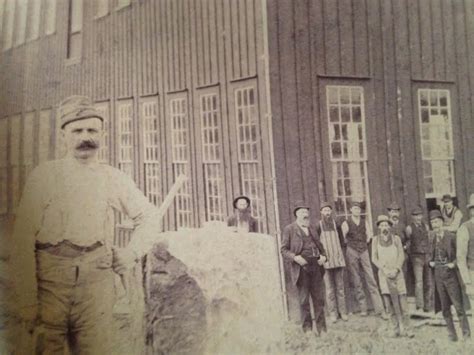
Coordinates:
442	263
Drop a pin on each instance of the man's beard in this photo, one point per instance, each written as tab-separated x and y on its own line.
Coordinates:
244	215
327	218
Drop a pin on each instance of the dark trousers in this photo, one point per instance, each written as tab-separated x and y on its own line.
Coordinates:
450	293
310	283
423	281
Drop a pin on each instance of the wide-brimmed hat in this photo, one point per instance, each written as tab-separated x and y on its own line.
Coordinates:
299	205
435	214
446	198
471	202
241	197
325	204
75	108
417	210
383	218
394	206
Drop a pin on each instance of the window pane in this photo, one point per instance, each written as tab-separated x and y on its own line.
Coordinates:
50	16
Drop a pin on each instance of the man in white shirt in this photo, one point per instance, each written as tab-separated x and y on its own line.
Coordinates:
465	251
356	232
63	260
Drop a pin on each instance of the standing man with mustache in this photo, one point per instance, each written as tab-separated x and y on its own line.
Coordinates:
63	258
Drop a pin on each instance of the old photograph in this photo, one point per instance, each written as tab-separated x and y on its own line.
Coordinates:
236	177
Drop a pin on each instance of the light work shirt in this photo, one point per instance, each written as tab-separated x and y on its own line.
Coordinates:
68	200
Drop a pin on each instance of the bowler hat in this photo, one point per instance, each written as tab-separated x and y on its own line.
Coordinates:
383	218
393	206
299	205
471	202
75	108
325	204
241	197
435	214
417	210
447	197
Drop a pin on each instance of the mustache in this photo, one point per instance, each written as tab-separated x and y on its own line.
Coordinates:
85	145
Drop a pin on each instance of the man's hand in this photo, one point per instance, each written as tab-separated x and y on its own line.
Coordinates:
432	264
300	260
470	289
123	259
450	265
322	259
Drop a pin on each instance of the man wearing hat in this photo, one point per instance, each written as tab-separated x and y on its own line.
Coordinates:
333	242
355	230
302	248
388	256
448	283
465	250
63	258
452	215
398	228
419	250
242	219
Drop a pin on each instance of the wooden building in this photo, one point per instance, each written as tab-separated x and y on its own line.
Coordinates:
281	100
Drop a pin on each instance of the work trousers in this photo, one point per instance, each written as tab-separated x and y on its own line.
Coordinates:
359	264
310	284
335	295
423	281
75	299
450	293
397	307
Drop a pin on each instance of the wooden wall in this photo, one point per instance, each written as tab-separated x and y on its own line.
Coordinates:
390	48
154	48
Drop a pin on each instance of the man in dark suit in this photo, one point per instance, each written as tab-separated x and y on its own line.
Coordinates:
301	246
242	219
449	287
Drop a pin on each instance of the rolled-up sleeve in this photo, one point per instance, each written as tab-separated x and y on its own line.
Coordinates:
462	240
28	218
146	217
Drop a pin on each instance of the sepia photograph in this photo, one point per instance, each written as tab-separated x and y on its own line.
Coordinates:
212	177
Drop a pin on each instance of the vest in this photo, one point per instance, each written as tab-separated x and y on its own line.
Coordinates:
332	246
419	241
470	247
448	218
357	235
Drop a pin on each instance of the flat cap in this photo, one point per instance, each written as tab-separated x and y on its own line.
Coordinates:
417	210
447	197
325	204
394	206
383	218
75	108
435	214
299	205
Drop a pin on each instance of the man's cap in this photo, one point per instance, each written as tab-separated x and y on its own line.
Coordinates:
471	202
325	204
356	204
299	205
241	197
417	210
394	206
75	108
435	214
447	197
383	218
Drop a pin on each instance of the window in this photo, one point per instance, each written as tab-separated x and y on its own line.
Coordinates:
2	12
3	166
436	142
151	149
348	152
9	17
50	16
74	44
44	136
101	8
180	159
125	136
20	30
211	153
34	17
248	138
15	143
28	142
104	151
